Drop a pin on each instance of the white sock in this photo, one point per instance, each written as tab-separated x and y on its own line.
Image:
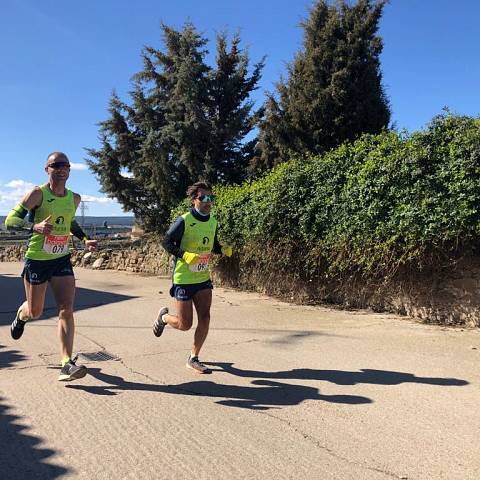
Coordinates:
21	315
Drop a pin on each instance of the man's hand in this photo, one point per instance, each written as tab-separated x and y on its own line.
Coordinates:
44	227
91	245
227	250
191	258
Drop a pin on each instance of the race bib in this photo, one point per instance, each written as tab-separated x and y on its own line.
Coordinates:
202	264
56	244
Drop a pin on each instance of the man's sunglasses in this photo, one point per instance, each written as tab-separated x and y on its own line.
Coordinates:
56	165
206	198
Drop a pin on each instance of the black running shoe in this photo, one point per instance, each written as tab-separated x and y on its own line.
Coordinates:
70	371
17	326
159	324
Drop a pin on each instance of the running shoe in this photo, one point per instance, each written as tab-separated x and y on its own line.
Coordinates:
195	364
159	324
17	326
70	371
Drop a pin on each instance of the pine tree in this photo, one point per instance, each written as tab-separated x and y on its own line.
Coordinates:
334	91
186	121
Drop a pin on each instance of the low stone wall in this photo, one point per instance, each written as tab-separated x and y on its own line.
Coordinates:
148	257
12	253
451	296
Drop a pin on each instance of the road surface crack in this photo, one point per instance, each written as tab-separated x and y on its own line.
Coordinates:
331	452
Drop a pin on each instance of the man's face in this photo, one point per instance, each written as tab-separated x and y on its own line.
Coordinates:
203	201
58	168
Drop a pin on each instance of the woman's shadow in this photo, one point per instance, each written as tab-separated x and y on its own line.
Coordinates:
267	391
265	394
340	377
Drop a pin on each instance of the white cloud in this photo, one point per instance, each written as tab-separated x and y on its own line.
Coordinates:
90	198
12	192
20	185
78	166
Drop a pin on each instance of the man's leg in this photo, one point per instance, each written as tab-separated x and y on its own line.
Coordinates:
63	288
64	292
30	309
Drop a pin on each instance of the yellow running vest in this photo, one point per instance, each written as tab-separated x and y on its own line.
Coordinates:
56	244
198	238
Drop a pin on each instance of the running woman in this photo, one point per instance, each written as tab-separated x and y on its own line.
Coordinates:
47	260
191	239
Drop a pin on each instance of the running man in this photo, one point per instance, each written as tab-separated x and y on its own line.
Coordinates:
52	209
191	240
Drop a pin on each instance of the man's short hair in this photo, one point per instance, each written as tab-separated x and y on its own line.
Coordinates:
192	190
55	156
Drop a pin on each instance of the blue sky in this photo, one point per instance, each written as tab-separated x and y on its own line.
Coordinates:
62	59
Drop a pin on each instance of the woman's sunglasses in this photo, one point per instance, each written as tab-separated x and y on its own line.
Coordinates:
206	198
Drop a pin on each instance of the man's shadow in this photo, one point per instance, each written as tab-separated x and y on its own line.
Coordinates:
13	295
21	454
265	394
339	377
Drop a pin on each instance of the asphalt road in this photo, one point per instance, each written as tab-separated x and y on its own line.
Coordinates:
296	392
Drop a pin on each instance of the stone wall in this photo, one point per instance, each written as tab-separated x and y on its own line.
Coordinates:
450	296
148	257
12	253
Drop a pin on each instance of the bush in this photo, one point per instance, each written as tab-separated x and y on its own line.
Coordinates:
368	207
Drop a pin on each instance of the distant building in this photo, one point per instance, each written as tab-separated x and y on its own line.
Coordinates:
137	231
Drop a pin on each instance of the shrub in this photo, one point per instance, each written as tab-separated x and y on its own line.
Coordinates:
369	206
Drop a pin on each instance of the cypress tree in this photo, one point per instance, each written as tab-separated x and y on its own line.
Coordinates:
334	91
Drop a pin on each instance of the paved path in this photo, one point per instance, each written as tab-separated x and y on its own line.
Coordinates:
296	393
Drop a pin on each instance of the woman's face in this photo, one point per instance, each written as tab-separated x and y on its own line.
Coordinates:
203	201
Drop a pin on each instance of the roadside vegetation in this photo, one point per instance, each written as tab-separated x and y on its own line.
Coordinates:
186	119
315	187
368	207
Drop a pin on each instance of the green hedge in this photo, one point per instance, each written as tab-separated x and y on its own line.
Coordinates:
370	206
